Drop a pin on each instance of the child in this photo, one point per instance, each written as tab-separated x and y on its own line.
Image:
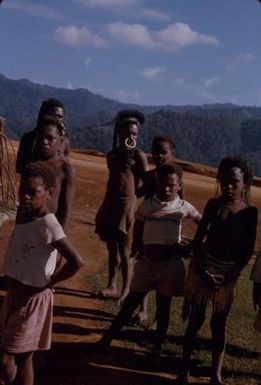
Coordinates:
156	237
223	245
26	314
163	151
114	218
48	141
25	154
256	277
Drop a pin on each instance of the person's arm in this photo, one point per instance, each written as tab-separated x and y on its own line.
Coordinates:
198	247
256	294
144	163
250	237
197	243
67	147
142	169
248	246
137	244
66	195
73	261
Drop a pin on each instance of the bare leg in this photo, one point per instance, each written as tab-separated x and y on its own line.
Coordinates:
142	315
114	264
8	368
129	305
127	270
163	310
196	320
25	371
154	324
218	326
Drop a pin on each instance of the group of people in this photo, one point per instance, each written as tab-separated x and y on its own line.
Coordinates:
143	239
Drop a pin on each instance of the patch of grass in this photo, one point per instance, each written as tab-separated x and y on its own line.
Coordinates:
242	363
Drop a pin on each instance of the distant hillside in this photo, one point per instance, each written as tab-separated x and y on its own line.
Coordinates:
203	134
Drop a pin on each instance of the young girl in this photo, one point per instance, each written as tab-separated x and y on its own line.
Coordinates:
223	245
114	218
29	268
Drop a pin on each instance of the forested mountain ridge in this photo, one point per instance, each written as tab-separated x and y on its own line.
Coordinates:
202	134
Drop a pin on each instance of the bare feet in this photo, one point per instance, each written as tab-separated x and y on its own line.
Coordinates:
124	294
139	319
142	316
153	326
109	292
181	380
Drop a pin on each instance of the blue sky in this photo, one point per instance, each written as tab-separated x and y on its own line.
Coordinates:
142	51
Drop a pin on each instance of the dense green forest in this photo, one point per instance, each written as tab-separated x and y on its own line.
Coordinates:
203	134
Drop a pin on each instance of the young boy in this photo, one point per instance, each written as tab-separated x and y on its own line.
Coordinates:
26	154
29	265
162	151
114	219
156	245
50	136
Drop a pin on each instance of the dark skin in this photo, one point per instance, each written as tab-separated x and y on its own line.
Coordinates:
48	144
126	170
34	196
232	185
27	142
122	177
167	190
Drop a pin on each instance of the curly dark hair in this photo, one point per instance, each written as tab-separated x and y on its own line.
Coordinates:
46	120
123	119
164	138
41	169
170	168
48	104
242	164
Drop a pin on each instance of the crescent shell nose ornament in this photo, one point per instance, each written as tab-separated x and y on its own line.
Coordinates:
130	142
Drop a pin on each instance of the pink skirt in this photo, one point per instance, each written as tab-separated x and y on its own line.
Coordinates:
26	322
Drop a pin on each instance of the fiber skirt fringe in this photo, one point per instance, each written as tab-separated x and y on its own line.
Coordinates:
197	291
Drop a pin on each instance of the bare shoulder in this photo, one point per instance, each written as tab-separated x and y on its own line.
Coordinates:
140	153
68	168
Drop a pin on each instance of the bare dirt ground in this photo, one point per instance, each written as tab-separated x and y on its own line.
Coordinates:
80	318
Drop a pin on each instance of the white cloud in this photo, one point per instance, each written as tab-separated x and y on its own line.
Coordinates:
126	96
31	9
152	73
172	38
209	82
240	58
108	3
155	14
75	36
179	35
136	34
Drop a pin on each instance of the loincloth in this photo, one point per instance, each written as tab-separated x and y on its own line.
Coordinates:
114	219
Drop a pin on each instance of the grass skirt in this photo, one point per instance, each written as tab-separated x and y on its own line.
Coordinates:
199	292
